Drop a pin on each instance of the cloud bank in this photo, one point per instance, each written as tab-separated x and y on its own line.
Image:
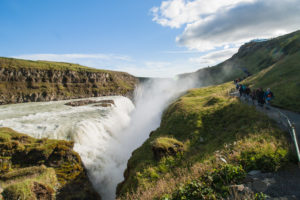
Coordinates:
216	23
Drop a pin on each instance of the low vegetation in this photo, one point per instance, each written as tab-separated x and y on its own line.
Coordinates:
32	167
221	140
45	65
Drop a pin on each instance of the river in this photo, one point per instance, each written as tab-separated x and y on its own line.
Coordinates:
104	137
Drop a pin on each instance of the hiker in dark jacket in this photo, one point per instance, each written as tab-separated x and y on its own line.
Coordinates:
253	95
247	92
260	97
241	90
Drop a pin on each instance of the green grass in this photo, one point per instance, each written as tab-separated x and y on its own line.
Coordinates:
44	65
21	158
210	125
284	80
274	63
18	184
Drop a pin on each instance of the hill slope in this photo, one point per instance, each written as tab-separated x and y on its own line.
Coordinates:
278	57
186	154
26	81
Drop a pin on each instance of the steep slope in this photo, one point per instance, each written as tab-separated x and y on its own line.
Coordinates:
205	143
284	80
278	57
29	81
41	169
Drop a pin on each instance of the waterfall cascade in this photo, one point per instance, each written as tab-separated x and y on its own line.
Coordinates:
104	136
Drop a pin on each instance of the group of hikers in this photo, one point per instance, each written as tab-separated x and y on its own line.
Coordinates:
262	97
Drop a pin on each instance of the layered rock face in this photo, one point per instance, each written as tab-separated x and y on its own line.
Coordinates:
31	84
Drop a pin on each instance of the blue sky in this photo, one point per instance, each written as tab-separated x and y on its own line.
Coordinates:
142	37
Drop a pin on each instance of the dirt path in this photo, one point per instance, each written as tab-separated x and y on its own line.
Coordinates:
284	184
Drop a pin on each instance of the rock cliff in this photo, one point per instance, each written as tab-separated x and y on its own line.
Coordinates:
41	169
31	81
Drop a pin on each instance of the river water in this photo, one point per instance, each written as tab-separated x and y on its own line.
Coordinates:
92	129
104	137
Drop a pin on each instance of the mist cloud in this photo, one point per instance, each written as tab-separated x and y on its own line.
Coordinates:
214	57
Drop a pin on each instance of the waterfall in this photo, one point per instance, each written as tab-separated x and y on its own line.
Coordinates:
103	137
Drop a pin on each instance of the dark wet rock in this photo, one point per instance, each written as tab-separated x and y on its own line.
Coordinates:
103	103
259	186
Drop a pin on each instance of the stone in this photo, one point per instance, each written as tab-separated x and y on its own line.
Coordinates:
254	172
103	103
259	186
239	188
269	181
201	139
223	160
248	179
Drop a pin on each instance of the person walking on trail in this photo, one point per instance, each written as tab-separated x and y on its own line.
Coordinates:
254	95
248	92
241	90
268	96
260	97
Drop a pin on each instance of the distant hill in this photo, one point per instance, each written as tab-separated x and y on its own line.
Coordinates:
30	81
273	63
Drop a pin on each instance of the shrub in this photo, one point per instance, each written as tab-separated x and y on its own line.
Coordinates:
213	185
264	160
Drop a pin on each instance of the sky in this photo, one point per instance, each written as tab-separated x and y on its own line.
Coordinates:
149	38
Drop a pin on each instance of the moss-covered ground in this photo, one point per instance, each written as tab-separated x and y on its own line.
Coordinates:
221	137
30	167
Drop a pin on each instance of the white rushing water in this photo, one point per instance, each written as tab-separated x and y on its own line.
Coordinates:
104	137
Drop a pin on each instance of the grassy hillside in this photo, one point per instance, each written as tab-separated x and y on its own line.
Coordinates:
284	80
45	65
185	157
253	57
274	63
41	169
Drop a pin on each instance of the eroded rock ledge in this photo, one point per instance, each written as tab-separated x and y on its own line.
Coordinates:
41	169
19	82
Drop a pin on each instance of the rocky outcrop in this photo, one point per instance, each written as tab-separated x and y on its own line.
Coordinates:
24	83
164	146
41	169
103	103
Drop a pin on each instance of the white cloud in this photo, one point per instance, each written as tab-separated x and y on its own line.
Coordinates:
218	23
175	13
214	57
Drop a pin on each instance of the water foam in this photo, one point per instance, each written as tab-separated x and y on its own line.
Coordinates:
104	137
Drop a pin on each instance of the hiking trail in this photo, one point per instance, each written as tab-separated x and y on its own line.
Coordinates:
284	184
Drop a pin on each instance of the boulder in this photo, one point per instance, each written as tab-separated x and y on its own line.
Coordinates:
259	186
103	103
165	146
